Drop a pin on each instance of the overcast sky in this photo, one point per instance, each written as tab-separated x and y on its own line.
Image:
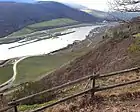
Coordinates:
94	4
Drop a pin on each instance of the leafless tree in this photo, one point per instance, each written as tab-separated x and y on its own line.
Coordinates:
125	5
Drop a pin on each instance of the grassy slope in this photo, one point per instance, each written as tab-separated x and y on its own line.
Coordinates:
6	73
32	28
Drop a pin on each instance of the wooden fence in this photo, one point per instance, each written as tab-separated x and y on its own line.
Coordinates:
92	90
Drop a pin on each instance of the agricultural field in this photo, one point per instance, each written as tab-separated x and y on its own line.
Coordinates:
33	68
35	27
6	73
55	22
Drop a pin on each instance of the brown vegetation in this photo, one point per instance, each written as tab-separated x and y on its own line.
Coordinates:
129	102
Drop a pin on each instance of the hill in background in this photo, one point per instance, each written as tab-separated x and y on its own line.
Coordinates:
105	15
15	16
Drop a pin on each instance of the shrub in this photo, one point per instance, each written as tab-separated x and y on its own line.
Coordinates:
133	48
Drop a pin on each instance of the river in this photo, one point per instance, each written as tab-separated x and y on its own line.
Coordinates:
44	46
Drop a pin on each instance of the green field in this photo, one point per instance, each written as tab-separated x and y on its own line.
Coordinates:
34	27
55	22
6	73
22	32
35	67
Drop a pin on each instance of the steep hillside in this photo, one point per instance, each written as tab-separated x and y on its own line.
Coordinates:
96	13
119	50
15	16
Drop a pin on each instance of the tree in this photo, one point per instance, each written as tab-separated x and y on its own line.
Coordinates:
125	5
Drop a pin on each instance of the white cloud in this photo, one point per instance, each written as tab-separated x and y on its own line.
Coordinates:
94	4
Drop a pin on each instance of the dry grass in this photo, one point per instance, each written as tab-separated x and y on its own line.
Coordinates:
122	99
100	104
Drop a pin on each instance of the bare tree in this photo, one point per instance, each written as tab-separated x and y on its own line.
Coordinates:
125	5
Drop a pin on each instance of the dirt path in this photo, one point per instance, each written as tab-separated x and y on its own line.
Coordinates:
9	83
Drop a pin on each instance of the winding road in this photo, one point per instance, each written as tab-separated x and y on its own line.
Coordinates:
9	83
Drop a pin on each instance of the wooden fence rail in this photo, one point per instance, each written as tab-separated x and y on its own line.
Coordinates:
50	90
118	72
60	101
93	89
116	85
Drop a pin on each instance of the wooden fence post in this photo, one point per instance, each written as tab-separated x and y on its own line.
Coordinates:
15	109
93	85
3	102
94	76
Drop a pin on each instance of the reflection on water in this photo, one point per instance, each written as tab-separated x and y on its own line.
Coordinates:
43	46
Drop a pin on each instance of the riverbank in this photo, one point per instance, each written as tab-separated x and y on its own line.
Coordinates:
36	67
99	60
29	71
55	35
28	36
78	49
36	64
46	45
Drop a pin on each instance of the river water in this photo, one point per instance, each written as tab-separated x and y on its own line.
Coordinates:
44	46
